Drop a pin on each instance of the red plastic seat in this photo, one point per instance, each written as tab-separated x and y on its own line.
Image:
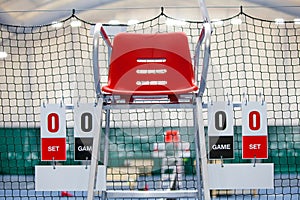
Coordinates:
150	64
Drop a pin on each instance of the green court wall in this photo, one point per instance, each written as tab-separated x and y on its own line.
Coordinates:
20	148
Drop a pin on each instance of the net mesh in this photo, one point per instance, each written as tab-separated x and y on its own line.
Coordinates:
250	58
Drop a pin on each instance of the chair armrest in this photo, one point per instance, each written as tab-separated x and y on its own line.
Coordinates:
99	30
204	38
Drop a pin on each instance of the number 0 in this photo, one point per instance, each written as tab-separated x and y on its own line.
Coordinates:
254	120
53	122
86	122
220	120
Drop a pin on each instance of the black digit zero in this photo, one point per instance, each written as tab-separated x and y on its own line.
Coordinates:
220	120
86	122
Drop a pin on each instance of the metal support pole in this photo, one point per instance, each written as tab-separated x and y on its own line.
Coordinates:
202	147
106	146
206	58
208	30
96	58
94	158
197	150
106	142
204	11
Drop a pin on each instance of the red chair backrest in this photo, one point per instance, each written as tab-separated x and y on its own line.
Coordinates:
150	64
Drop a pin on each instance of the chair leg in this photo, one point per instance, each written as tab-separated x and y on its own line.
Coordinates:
197	164
201	148
94	159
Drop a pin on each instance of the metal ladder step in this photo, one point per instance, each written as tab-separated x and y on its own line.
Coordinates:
152	194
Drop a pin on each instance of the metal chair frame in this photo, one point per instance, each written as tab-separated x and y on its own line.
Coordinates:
190	100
